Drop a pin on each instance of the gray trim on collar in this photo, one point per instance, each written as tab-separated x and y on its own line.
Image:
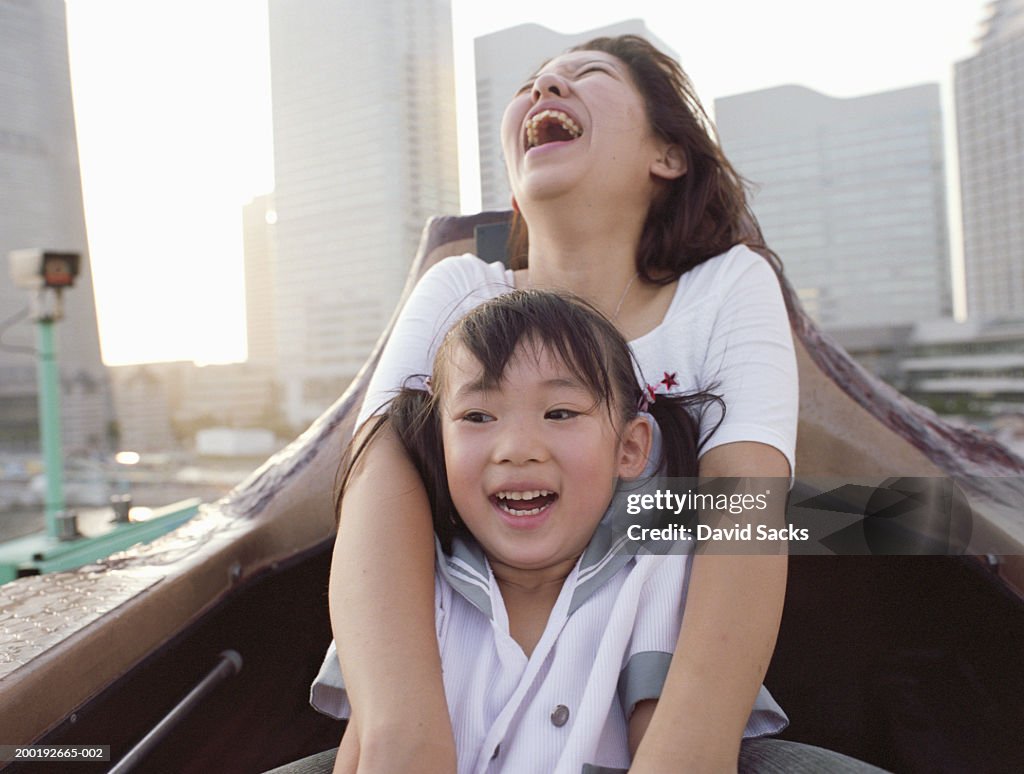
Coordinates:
467	571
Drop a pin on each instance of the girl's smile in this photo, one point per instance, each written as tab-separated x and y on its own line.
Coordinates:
531	462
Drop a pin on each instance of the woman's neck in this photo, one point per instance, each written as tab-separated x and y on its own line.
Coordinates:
595	264
601	270
591	251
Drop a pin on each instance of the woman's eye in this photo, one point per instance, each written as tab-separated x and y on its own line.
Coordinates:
560	414
588	70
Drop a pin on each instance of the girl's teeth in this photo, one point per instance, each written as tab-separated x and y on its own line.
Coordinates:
530	512
506	501
527	495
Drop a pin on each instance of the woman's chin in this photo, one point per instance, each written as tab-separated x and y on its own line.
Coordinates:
547	186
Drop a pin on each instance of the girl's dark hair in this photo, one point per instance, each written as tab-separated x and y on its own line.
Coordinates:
696	216
570	330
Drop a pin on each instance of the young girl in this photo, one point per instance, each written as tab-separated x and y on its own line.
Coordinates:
555	638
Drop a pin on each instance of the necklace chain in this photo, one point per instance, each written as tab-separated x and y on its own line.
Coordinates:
622	298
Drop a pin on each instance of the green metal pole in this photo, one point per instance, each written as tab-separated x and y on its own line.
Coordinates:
49	424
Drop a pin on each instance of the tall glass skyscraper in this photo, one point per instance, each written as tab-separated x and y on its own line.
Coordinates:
990	129
364	152
41	206
851	194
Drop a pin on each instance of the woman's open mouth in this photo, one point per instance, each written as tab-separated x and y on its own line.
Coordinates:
549	126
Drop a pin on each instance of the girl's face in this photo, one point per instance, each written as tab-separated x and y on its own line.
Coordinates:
580	124
532	463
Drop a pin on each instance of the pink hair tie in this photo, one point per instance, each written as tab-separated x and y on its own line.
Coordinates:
647	397
420	382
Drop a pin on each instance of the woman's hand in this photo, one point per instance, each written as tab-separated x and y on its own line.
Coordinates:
730	624
382	613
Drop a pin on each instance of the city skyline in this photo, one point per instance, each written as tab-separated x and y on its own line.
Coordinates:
177	198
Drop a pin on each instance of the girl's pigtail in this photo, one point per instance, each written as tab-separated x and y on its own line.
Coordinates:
412	416
416	421
678	417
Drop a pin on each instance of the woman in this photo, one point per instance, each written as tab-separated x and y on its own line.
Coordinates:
630	204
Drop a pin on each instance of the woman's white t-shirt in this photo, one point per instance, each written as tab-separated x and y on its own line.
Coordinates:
726	330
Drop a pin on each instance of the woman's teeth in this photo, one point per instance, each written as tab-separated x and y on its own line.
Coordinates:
550	126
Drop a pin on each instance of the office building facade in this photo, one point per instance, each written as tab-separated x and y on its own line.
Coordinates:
260	260
41	207
364	153
990	132
851	194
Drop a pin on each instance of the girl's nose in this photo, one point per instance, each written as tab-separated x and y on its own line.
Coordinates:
518	445
550	83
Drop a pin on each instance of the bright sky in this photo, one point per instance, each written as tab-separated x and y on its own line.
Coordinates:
174	125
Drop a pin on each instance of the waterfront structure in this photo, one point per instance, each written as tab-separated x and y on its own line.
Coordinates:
364	152
161	402
41	206
851	194
143	409
990	131
973	369
504	61
259	255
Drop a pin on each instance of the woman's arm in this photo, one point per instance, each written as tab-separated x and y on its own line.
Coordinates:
638	722
347	759
382	577
382	613
730	624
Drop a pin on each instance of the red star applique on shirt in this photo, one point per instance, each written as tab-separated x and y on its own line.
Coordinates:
670	380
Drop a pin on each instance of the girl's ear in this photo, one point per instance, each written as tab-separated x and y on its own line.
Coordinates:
670	163
634	447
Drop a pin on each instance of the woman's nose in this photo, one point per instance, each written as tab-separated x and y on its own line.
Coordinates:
550	83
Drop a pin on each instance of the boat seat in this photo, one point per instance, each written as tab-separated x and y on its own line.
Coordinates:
67	637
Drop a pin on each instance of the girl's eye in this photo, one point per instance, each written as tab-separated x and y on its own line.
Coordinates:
588	70
477	417
561	414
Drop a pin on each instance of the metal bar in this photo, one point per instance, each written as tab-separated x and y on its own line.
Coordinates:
230	664
49	424
70	556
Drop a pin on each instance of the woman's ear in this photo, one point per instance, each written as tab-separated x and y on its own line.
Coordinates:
634	447
670	163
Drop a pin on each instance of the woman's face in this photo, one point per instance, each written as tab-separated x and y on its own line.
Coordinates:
580	124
